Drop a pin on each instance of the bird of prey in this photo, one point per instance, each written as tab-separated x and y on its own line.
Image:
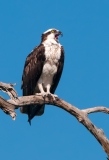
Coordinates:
42	71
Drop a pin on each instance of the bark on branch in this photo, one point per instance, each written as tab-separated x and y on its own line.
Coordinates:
81	115
8	88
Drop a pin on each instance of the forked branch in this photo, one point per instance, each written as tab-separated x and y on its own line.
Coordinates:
81	115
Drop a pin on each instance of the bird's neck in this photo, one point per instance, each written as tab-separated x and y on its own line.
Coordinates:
50	42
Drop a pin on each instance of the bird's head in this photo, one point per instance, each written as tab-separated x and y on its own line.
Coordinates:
52	34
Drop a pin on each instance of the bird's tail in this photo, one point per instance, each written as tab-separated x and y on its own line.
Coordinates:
32	110
35	110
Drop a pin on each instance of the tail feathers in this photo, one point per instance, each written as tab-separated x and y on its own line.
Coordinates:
29	122
35	110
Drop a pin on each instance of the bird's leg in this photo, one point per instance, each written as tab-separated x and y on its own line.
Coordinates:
42	92
48	92
48	89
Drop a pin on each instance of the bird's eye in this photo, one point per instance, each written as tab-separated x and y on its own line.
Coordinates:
53	31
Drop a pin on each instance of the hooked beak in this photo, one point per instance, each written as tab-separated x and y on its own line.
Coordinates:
60	33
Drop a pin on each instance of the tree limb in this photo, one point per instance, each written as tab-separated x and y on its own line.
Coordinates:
81	115
96	109
8	88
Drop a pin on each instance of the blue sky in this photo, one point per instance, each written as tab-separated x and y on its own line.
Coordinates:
84	83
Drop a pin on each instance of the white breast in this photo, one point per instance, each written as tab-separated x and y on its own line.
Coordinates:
52	54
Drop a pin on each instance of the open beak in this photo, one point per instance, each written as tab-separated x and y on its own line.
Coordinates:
60	33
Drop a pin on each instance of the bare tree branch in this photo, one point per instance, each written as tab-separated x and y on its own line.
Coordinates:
81	115
8	88
96	109
8	108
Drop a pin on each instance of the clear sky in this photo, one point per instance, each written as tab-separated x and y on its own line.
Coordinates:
84	83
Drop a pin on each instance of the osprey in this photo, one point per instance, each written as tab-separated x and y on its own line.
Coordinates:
42	71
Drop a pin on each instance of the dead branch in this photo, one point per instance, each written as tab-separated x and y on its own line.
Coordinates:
81	115
8	88
96	109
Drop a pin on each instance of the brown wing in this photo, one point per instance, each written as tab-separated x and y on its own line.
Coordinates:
59	71
32	70
31	73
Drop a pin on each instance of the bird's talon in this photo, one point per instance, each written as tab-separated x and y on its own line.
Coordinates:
49	95
44	96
